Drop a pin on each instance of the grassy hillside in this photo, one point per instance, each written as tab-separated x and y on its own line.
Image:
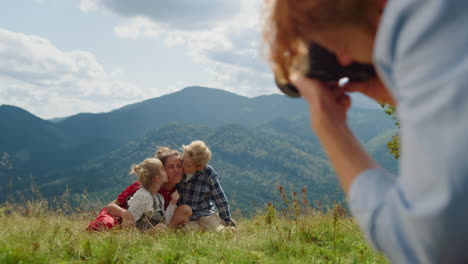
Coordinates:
35	234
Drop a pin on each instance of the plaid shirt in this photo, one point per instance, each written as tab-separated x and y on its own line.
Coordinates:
202	192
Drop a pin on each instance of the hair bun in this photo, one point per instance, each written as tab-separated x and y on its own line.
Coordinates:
147	170
162	150
135	169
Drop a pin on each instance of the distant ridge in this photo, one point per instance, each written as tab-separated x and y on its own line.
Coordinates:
267	127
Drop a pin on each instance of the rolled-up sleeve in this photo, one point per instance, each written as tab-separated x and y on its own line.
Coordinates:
420	216
378	205
219	198
367	194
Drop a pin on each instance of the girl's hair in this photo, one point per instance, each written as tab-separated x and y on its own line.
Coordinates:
198	152
290	23
164	153
147	170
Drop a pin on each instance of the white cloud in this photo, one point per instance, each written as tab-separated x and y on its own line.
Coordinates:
43	79
176	14
88	5
138	27
228	47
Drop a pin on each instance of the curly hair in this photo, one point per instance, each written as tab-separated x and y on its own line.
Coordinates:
289	25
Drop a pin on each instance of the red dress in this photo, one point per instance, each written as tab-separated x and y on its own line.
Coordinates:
167	196
105	221
124	196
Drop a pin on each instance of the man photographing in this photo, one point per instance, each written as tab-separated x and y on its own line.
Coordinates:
420	52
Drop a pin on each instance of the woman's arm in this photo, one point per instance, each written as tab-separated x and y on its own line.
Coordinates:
127	218
114	209
171	207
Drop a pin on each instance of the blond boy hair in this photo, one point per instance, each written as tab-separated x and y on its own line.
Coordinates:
198	152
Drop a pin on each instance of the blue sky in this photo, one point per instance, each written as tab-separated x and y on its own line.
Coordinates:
62	57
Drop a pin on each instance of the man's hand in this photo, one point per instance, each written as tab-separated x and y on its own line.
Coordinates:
374	89
328	103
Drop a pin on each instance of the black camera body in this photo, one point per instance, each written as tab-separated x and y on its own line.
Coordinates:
324	66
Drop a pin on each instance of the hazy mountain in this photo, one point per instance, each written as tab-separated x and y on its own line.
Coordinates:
28	138
251	165
57	120
271	135
195	105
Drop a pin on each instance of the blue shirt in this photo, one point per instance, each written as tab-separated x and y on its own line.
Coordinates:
421	216
202	192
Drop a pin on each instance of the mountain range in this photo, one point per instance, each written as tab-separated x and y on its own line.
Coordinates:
258	144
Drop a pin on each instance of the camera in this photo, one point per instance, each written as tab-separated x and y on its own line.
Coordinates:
324	66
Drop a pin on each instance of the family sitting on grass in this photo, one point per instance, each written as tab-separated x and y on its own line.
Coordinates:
171	193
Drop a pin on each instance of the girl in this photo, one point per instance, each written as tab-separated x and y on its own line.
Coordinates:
147	206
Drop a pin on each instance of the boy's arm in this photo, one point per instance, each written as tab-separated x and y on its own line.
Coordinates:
220	200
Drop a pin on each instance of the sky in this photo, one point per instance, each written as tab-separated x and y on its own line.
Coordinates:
63	57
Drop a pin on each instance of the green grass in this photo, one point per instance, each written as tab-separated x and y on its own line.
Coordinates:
33	234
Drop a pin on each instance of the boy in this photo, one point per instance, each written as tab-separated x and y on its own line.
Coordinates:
200	189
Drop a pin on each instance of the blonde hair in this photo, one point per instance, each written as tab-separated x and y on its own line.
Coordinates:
164	153
198	152
290	23
147	170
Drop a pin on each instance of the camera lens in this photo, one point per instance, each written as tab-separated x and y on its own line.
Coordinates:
324	66
288	89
